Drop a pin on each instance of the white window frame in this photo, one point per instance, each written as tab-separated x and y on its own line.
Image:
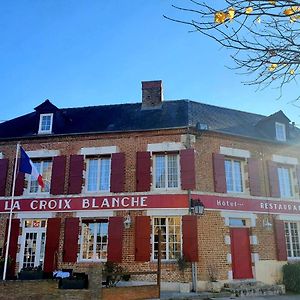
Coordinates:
167	235
41	131
242	165
166	173
94	245
28	179
280	183
88	158
289	240
280	128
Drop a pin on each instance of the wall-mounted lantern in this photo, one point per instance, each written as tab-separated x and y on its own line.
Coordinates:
197	207
127	221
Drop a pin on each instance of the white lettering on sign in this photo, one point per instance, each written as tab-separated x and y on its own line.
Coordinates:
227	203
51	204
16	205
278	206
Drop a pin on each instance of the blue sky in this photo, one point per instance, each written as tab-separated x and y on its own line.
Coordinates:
81	53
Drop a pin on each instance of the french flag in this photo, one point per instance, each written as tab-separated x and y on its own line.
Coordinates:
27	166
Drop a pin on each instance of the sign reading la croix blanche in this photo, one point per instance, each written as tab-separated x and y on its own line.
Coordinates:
159	201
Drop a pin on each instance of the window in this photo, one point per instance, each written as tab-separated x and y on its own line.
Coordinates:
234	175
166	170
171	245
280	132
46	121
285	181
44	167
237	222
98	174
94	240
292	239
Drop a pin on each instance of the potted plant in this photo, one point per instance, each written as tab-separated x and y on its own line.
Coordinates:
112	274
31	273
213	285
183	264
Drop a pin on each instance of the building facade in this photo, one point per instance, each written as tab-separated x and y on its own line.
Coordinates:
115	174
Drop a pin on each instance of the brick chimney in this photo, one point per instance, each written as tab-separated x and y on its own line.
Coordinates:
152	94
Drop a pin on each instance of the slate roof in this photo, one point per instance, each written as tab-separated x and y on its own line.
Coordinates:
130	117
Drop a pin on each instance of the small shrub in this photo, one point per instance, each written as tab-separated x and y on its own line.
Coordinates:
291	277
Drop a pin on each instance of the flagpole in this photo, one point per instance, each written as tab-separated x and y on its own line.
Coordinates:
10	212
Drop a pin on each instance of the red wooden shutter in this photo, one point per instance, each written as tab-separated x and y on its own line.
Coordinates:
19	187
190	238
13	245
143	174
71	240
254	176
219	173
52	244
58	175
142	238
75	174
280	240
3	175
273	179
115	239
117	178
187	169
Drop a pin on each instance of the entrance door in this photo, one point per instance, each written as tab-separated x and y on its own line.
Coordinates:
240	253
33	246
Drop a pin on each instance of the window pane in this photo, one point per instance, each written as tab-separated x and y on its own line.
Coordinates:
92	174
33	183
104	174
233	173
285	185
46	173
160	171
228	174
170	237
238	176
46	123
172	171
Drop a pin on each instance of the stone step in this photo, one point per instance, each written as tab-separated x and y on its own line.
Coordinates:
253	288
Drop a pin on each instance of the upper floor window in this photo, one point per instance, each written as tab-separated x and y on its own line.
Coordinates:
98	174
285	181
280	131
292	239
46	121
44	167
234	175
166	171
94	240
171	242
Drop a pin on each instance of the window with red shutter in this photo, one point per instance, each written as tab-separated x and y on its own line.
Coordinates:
190	238
52	244
143	174
3	175
58	175
71	240
75	174
117	180
142	238
254	176
280	240
115	239
219	173
187	169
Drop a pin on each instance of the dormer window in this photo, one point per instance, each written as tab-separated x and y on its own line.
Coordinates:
280	132
46	121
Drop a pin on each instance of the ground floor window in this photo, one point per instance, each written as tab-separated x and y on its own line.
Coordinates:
171	237
94	240
292	231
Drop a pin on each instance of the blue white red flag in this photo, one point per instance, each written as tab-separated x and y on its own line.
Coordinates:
27	166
